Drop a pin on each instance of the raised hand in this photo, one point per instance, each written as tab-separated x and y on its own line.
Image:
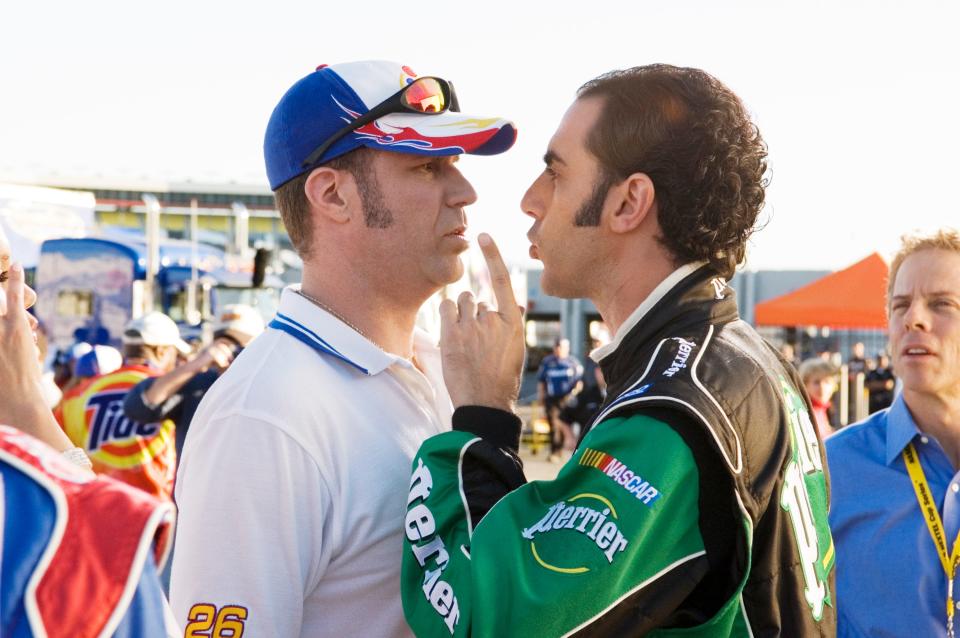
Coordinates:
22	404
483	347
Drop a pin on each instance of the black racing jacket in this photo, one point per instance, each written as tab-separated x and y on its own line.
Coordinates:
750	427
695	504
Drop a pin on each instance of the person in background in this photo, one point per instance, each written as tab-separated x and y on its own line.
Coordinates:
789	353
79	553
820	381
140	454
176	394
96	361
100	360
582	407
895	481
880	384
559	378
857	364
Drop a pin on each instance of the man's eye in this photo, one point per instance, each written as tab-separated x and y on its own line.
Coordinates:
550	172
4	276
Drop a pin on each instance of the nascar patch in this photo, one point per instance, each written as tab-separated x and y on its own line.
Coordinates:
622	475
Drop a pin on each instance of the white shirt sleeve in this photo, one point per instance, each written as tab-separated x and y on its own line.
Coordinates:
253	531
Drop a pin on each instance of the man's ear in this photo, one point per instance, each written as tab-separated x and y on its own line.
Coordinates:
636	203
327	190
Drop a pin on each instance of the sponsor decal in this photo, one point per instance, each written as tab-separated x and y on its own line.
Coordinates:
598	524
108	423
622	475
636	392
719	287
802	497
205	621
680	360
428	548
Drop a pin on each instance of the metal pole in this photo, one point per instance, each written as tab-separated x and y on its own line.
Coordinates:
153	248
844	395
862	404
242	228
193	314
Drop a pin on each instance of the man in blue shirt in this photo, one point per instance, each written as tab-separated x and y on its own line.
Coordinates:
559	377
895	479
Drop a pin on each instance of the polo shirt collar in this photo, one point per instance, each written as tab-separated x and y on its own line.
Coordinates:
901	428
330	336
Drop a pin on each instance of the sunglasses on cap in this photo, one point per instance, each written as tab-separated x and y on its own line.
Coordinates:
423	96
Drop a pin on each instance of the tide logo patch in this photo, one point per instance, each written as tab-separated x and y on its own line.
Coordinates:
622	475
108	424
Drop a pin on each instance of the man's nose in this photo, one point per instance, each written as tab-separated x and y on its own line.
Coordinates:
532	202
461	191
915	317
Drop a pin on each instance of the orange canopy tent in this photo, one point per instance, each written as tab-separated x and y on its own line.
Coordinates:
854	297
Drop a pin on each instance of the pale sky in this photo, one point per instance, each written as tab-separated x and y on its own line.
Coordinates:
858	101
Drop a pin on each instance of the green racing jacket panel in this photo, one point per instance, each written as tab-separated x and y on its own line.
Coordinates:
610	547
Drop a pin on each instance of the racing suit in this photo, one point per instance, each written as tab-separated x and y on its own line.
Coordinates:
695	505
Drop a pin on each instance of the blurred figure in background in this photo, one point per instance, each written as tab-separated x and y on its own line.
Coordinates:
176	394
820	381
100	360
880	384
857	364
558	378
582	407
790	354
64	363
96	361
141	454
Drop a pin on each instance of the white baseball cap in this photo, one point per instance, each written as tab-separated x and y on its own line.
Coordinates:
240	320
155	329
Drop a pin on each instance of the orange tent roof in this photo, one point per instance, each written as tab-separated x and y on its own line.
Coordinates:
854	297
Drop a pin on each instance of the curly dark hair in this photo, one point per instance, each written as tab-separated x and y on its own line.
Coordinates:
693	137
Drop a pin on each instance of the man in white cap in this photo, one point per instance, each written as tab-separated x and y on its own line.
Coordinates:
294	476
91	413
176	394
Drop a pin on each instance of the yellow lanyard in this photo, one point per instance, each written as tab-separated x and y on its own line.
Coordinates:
931	515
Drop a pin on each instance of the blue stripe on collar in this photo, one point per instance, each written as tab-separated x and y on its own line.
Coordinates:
305	335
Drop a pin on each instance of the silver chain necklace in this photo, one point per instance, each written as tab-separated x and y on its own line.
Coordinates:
336	314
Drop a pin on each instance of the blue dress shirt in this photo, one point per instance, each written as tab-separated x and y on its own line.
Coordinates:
890	581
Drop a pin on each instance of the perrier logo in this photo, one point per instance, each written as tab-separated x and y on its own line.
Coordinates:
597	524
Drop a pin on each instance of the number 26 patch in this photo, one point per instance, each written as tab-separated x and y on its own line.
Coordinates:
204	621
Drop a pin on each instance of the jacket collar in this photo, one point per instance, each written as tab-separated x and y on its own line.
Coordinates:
692	295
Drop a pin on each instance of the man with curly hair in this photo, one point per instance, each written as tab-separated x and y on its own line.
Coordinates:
696	502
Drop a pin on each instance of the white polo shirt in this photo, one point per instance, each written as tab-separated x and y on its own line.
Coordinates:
293	482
